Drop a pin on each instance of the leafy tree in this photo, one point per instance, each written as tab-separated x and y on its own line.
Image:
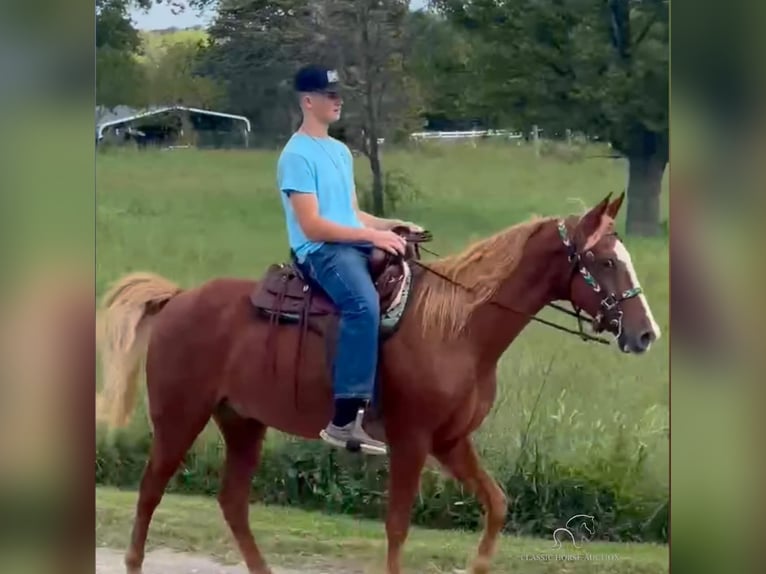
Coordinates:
596	66
368	41
443	60
173	77
119	76
256	47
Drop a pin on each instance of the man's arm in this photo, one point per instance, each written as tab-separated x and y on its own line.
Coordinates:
296	179
317	228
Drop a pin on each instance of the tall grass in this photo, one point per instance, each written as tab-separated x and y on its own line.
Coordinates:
576	428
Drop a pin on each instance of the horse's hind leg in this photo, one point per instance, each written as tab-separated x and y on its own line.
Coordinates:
463	463
172	438
244	438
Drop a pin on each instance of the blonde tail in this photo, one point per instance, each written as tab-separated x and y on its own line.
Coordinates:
124	325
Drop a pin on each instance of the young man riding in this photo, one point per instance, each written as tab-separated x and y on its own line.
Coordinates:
332	239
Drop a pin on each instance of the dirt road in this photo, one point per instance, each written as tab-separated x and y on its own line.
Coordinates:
109	561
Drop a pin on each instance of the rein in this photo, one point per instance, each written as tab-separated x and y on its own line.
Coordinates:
580	333
607	304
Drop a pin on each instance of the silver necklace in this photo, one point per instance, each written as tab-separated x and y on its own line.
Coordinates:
332	159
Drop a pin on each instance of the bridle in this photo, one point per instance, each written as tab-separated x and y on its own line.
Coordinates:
609	303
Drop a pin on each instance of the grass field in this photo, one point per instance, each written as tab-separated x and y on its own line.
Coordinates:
296	538
193	215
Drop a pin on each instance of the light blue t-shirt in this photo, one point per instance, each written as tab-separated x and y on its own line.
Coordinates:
322	166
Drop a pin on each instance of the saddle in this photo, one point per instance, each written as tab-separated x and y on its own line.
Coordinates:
285	294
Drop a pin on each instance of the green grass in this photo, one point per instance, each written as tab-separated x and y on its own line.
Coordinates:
290	537
602	418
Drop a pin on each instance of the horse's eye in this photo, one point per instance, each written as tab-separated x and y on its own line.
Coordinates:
609	262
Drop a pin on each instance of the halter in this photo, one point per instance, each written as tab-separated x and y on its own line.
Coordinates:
608	303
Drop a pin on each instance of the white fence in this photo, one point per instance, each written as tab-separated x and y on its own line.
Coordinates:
534	136
469	134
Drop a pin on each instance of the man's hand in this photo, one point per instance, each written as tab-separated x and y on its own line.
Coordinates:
387	241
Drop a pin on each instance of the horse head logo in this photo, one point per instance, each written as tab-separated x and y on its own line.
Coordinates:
581	527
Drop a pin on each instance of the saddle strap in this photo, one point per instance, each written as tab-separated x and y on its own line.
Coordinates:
271	339
304	325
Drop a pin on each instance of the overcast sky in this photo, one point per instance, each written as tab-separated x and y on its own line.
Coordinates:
160	17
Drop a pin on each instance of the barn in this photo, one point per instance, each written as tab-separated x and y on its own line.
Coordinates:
171	126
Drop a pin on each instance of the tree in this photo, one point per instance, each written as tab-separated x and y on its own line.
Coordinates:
119	76
367	41
257	47
254	50
442	59
597	66
173	76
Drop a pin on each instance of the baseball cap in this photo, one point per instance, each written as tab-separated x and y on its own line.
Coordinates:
316	79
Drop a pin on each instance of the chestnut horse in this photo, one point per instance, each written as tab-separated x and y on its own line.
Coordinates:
205	357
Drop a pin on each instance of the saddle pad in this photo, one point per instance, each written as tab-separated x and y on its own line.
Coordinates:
389	319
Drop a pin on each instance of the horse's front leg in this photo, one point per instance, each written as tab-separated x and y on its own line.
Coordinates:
407	457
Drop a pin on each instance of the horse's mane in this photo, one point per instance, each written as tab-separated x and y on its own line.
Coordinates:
481	267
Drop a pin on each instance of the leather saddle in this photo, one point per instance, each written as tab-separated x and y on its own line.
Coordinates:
286	294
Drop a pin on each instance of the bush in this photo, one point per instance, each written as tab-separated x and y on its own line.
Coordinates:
543	493
398	189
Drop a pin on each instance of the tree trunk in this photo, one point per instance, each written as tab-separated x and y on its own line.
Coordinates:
374	155
644	186
377	176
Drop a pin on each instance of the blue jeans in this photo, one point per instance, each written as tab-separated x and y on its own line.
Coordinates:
341	270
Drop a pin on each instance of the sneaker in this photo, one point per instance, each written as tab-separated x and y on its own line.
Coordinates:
353	437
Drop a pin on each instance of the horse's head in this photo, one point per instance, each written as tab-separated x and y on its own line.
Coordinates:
603	281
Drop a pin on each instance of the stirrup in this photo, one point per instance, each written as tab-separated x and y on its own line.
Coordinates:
354	444
361	445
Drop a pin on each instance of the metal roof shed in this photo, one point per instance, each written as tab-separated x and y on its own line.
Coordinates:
122	116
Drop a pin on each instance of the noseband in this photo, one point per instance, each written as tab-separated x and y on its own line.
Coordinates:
610	303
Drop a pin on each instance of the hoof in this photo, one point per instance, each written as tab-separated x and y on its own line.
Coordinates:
133	563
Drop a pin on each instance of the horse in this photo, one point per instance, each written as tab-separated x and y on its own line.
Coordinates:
207	355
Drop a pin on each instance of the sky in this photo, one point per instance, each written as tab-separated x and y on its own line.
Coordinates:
160	17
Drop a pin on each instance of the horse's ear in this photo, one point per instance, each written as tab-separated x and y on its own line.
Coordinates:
614	207
594	224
